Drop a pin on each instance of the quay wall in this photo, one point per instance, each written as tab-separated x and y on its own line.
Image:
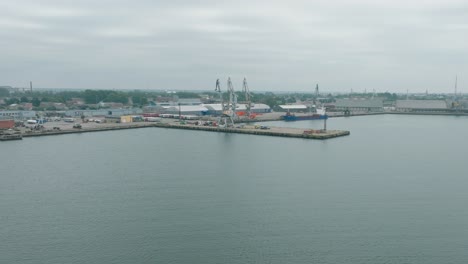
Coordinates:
278	132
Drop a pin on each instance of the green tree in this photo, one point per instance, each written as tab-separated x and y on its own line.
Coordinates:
187	95
94	96
117	97
12	100
4	92
36	102
139	100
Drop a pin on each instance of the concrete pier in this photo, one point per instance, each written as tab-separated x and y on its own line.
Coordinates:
271	131
245	129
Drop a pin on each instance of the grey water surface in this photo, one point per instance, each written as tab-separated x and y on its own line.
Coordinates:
394	191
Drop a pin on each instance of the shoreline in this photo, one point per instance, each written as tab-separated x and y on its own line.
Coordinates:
247	129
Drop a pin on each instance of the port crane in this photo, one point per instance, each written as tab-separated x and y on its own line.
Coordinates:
222	120
218	90
232	104
228	108
316	96
248	101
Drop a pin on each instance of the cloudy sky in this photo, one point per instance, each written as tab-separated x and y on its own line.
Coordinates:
279	45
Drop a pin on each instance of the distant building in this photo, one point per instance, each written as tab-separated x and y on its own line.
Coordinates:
188	101
14	107
153	109
27	106
57	106
198	110
75	102
204	109
18	115
216	109
173	101
160	100
463	104
421	106
362	105
110	105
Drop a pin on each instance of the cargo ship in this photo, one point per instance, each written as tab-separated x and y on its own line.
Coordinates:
319	115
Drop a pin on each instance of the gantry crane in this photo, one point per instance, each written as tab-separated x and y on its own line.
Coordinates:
222	120
232	104
228	108
218	90
248	101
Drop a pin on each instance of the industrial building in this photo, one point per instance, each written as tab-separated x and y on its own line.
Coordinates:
18	115
174	101
421	106
205	109
216	109
362	105
188	101
198	110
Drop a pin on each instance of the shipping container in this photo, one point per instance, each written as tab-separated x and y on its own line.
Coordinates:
7	124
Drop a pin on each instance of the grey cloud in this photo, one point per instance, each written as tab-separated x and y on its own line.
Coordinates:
389	45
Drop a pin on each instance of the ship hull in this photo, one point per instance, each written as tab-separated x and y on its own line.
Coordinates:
308	117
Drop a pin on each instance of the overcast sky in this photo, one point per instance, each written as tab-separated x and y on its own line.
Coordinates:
279	45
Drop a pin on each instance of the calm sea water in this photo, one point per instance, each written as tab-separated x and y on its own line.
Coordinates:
395	191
